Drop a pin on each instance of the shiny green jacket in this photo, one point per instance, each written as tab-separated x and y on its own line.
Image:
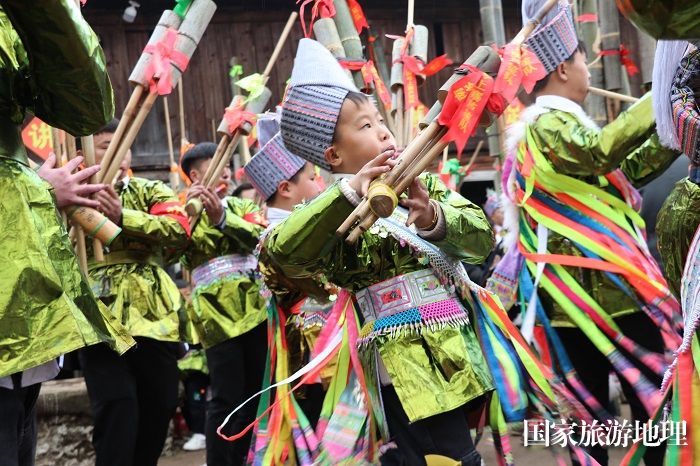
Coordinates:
628	143
305	246
433	372
51	65
231	306
132	280
676	224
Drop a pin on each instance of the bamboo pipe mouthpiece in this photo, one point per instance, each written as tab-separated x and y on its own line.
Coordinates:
194	207
94	223
382	199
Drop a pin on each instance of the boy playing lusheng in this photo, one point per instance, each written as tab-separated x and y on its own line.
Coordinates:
428	372
228	311
578	222
134	397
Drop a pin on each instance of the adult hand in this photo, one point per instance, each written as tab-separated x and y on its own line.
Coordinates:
110	204
69	187
210	201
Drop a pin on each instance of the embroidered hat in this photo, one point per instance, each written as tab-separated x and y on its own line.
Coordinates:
267	125
554	41
312	105
272	165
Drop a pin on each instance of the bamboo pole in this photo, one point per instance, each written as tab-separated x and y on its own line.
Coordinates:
174	176
590	33
610	40
181	112
80	247
646	49
88	145
612	95
491	12
227	143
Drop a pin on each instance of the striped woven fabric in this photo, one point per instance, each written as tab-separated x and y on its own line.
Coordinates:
309	116
685	87
556	41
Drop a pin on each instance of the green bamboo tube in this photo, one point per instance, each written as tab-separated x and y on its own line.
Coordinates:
349	37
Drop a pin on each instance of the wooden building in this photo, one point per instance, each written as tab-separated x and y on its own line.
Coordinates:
248	30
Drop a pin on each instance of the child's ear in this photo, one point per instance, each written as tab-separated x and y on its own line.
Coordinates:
563	71
332	157
283	189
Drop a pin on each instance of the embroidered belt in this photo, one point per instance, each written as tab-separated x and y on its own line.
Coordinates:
408	303
223	267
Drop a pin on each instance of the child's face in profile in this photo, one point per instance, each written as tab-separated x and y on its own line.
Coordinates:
579	77
360	135
304	187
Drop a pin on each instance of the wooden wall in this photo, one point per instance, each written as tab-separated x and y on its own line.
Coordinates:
248	30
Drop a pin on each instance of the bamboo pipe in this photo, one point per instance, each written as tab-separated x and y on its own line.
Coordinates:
181	111
129	137
403	163
88	145
612	95
80	247
280	43
416	169
125	121
194	209
174	177
424	158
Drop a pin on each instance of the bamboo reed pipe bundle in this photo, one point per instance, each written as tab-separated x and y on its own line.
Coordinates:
416	157
80	247
88	145
189	32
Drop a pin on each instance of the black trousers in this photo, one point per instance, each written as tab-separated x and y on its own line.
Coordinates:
236	370
593	369
18	424
445	434
133	398
195	405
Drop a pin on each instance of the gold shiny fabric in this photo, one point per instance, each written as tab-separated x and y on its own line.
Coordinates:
432	373
46	307
630	143
132	281
50	64
676	224
233	305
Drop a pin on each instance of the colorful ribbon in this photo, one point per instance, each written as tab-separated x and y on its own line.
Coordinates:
358	16
254	84
236	116
519	67
625	59
320	9
163	56
465	103
414	66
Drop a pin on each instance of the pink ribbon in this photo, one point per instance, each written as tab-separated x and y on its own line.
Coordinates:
163	56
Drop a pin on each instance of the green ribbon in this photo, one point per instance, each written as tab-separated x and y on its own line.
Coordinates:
452	167
181	7
254	84
235	71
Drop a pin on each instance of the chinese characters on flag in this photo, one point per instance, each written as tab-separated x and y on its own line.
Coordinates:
36	137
